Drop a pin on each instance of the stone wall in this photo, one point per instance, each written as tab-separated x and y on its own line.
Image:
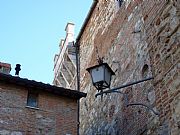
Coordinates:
54	115
139	39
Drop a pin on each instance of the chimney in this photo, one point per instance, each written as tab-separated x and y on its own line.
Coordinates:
69	32
69	28
18	68
5	68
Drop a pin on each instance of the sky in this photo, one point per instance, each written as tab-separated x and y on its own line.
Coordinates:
30	32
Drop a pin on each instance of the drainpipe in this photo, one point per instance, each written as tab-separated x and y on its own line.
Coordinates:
77	45
78	82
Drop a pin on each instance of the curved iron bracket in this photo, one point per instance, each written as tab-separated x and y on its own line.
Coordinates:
115	90
141	104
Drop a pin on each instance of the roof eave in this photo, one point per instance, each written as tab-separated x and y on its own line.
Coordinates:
41	86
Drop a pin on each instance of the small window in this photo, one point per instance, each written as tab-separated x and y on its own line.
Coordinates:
119	2
32	100
145	71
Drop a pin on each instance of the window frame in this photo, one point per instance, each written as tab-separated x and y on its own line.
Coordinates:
32	97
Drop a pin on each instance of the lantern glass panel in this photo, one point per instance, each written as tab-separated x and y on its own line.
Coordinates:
107	77
97	74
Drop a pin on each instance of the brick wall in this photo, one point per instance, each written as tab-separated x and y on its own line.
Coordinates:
163	44
138	39
55	114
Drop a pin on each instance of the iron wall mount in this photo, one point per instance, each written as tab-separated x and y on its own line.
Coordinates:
116	90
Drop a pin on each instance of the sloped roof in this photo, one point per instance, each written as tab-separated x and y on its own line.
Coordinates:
41	86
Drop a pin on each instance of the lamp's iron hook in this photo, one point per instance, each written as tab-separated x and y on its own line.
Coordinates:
99	59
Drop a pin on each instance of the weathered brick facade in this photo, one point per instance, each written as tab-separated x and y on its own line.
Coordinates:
138	39
56	114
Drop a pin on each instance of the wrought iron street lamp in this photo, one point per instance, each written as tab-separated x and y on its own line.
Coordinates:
101	75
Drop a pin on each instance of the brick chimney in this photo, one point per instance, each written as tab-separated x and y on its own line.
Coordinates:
5	68
69	32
